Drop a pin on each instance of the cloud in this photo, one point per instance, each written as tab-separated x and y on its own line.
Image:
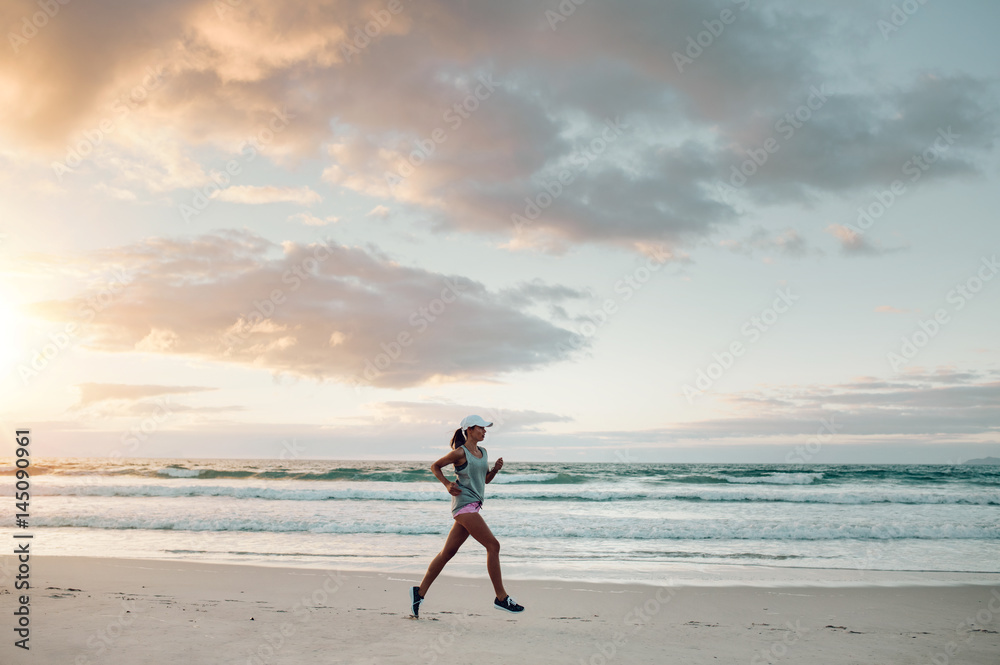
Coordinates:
92	393
889	309
593	124
445	416
116	193
267	194
858	140
309	219
538	291
379	211
788	243
925	405
853	243
234	297
926	416
103	402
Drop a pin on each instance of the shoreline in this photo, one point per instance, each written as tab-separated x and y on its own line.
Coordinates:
471	565
90	610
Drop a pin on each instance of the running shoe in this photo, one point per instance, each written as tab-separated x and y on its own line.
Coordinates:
415	600
508	604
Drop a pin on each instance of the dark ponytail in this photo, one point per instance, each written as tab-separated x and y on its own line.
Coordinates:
458	440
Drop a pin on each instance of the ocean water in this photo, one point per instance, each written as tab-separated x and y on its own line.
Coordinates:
597	522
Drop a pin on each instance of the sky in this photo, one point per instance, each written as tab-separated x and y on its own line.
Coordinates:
631	231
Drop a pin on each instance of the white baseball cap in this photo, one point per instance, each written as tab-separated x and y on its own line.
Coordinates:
472	421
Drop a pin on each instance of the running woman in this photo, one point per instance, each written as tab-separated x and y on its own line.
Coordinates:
468	492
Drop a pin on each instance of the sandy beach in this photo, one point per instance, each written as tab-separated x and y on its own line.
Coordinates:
89	610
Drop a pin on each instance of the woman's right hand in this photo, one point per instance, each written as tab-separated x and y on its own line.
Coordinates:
454	489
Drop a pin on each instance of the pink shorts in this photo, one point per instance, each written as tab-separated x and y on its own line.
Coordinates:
473	507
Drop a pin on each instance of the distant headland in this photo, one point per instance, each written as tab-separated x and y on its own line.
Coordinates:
983	460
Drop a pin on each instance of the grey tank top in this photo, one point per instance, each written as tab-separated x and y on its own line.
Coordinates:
472	479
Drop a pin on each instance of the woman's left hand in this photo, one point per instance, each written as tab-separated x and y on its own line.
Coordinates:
498	465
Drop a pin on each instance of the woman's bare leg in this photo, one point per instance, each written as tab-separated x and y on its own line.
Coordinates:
475	524
456	537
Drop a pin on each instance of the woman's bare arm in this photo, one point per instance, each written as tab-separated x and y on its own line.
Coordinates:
495	470
456	456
